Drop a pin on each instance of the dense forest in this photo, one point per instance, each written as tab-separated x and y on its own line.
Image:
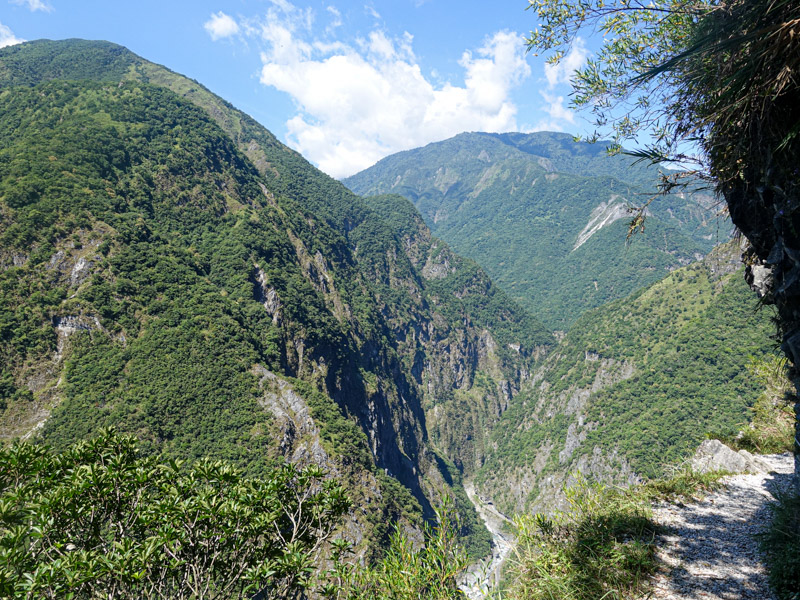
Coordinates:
546	216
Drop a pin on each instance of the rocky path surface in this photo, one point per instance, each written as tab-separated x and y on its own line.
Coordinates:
709	551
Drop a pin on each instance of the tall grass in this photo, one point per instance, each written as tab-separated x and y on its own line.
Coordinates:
781	547
602	547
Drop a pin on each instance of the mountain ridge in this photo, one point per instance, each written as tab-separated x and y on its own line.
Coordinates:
527	218
170	268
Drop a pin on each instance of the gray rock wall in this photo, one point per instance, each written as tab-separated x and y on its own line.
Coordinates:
769	217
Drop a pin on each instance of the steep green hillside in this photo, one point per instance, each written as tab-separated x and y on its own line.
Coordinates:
167	266
462	407
547	217
634	385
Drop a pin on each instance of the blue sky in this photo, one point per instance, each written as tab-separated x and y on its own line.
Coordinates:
344	82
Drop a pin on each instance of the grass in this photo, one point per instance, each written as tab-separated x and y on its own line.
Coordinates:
602	546
771	430
781	547
683	484
771	427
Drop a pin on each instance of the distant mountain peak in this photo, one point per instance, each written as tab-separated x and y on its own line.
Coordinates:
544	215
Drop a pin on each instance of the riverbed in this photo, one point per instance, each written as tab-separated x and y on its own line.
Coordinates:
482	577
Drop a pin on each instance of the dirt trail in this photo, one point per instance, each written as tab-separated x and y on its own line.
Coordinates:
709	551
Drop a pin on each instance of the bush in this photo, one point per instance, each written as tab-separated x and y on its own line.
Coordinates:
98	520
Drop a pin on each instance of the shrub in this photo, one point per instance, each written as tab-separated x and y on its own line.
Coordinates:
781	546
99	520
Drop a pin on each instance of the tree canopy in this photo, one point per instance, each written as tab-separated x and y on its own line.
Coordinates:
101	520
713	82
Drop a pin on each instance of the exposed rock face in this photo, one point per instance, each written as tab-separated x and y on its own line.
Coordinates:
766	211
532	487
713	455
605	214
300	441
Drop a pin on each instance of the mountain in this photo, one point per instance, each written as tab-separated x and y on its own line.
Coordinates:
167	267
547	216
634	386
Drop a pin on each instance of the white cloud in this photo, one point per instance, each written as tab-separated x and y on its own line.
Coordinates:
358	103
566	67
34	5
555	108
560	116
221	26
370	10
7	37
337	19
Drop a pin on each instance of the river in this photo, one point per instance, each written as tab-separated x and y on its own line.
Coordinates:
482	577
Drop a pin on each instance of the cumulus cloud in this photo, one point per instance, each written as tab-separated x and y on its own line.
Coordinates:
359	102
34	5
559	115
7	37
566	67
221	26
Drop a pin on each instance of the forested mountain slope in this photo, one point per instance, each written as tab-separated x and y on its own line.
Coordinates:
634	385
169	268
546	216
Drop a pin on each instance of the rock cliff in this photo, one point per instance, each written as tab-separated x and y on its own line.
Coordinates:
169	268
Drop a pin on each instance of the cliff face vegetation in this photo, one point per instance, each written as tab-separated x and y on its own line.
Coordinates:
634	386
169	268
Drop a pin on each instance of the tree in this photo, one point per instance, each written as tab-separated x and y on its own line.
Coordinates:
101	521
714	83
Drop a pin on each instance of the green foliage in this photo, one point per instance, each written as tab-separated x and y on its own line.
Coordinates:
636	39
781	546
31	63
517	203
602	546
658	370
404	573
771	424
100	520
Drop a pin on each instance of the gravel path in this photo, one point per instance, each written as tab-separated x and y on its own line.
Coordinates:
708	551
